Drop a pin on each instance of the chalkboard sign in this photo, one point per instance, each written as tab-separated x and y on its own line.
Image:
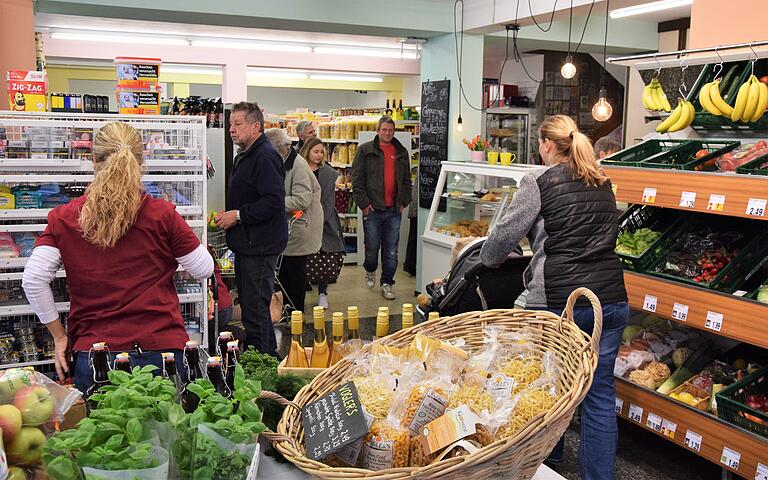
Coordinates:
333	421
433	142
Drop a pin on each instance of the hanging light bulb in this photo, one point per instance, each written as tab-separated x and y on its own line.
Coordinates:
459	125
568	69
602	110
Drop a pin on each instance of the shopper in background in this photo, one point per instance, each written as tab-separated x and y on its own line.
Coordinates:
605	147
302	193
409	265
226	308
381	187
324	266
120	248
304	130
569	214
255	222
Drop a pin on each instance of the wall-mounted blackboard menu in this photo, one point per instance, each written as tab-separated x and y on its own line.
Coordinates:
433	144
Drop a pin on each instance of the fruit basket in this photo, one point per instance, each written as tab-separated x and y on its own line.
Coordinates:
745	403
661	220
742	245
688	388
648	150
758	166
695	155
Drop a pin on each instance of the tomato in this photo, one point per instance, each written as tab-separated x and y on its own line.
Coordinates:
764	79
702	153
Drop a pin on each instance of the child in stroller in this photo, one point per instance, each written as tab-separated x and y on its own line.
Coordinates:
471	286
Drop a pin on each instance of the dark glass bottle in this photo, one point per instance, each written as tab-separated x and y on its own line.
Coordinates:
216	376
99	359
189	400
169	370
221	347
123	362
230	360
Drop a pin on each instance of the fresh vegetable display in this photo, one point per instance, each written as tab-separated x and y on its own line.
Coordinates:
637	242
743	154
701	255
762	294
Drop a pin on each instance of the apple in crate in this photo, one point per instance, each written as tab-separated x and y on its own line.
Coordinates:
27	447
35	403
10	422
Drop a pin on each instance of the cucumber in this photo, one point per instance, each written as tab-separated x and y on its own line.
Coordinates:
733	88
725	83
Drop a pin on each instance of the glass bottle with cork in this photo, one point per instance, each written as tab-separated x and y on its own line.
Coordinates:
321	353
297	356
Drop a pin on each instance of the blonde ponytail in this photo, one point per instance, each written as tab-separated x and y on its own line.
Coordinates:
114	197
574	148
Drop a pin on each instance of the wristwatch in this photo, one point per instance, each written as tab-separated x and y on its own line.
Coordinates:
237	216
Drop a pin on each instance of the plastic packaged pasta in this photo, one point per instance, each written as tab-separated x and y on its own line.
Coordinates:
527	405
425	395
387	445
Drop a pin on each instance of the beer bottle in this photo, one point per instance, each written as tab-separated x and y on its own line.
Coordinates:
190	400
99	359
216	376
123	362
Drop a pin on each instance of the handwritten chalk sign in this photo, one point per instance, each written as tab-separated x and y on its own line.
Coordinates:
433	140
333	421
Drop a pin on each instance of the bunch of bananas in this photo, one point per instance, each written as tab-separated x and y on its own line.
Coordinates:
711	100
654	98
680	118
751	101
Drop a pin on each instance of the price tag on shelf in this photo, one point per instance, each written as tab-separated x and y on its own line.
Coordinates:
687	199
680	312
619	405
653	422
649	195
668	428
714	321
635	413
730	458
693	440
762	472
716	202
649	303
756	207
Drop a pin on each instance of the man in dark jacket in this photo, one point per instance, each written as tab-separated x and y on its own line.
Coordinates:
257	231
381	187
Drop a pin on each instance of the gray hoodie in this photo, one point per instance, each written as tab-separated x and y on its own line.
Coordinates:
302	192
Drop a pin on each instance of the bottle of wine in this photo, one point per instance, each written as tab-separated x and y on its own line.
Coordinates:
297	356
338	338
382	323
100	367
123	362
400	111
388	111
221	345
321	353
216	376
353	323
231	359
189	400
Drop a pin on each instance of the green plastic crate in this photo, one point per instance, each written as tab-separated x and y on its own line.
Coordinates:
682	157
753	247
755	167
647	150
732	403
645	216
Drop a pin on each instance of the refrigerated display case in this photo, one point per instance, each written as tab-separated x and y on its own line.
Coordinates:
508	129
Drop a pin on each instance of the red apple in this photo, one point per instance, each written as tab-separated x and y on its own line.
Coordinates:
27	447
35	404
10	422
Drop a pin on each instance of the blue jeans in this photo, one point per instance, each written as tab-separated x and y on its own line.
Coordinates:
599	431
84	374
381	229
255	278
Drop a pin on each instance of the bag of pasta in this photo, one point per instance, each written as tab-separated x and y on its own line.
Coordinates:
375	381
518	367
426	394
525	406
387	444
478	367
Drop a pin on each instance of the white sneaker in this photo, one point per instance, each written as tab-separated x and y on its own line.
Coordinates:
322	300
386	291
370	279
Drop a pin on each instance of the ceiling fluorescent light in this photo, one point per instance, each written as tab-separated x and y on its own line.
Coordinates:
346	78
273	47
368	52
132	39
285	74
648	8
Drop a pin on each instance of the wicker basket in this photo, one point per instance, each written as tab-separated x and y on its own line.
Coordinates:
516	457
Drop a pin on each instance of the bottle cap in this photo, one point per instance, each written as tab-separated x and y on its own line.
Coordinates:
233	344
214	361
338	317
407	319
297	316
100	346
297	322
352	310
191	344
384	309
382	324
168	356
225	334
122	357
407	307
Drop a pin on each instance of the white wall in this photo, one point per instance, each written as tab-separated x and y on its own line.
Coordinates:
280	100
412	90
515	75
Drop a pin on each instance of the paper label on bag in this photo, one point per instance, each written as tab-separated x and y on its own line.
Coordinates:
451	427
350	453
431	406
379	453
500	386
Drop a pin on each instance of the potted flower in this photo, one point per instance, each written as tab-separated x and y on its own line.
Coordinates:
477	148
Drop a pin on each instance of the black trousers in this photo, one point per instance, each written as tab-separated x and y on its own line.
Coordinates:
255	278
293	276
409	265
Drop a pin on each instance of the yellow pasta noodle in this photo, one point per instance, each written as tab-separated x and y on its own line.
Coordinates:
475	397
531	403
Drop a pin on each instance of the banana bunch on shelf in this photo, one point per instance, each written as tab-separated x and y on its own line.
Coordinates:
654	98
711	100
680	118
751	101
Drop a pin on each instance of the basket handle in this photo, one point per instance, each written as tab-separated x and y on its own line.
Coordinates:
280	400
597	310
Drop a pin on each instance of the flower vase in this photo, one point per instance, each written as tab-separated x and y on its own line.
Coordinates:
477	156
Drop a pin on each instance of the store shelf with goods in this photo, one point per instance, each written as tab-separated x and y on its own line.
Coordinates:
24	308
727	315
719	442
42	213
27	364
723	194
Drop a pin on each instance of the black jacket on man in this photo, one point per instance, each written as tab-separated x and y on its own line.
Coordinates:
368	175
257	188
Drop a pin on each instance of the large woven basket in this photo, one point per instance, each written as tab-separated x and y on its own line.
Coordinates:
516	457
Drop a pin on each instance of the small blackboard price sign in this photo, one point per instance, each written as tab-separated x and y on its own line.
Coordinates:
333	421
433	141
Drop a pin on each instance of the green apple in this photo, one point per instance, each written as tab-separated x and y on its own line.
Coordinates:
27	447
10	422
11	381
16	473
35	404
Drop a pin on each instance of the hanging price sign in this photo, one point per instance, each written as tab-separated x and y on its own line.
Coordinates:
714	321
756	207
649	195
619	405
693	440
649	303
762	472
680	312
635	413
716	202
730	458
668	428
687	199
653	422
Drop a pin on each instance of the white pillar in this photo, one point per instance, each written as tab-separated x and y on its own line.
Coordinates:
234	84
